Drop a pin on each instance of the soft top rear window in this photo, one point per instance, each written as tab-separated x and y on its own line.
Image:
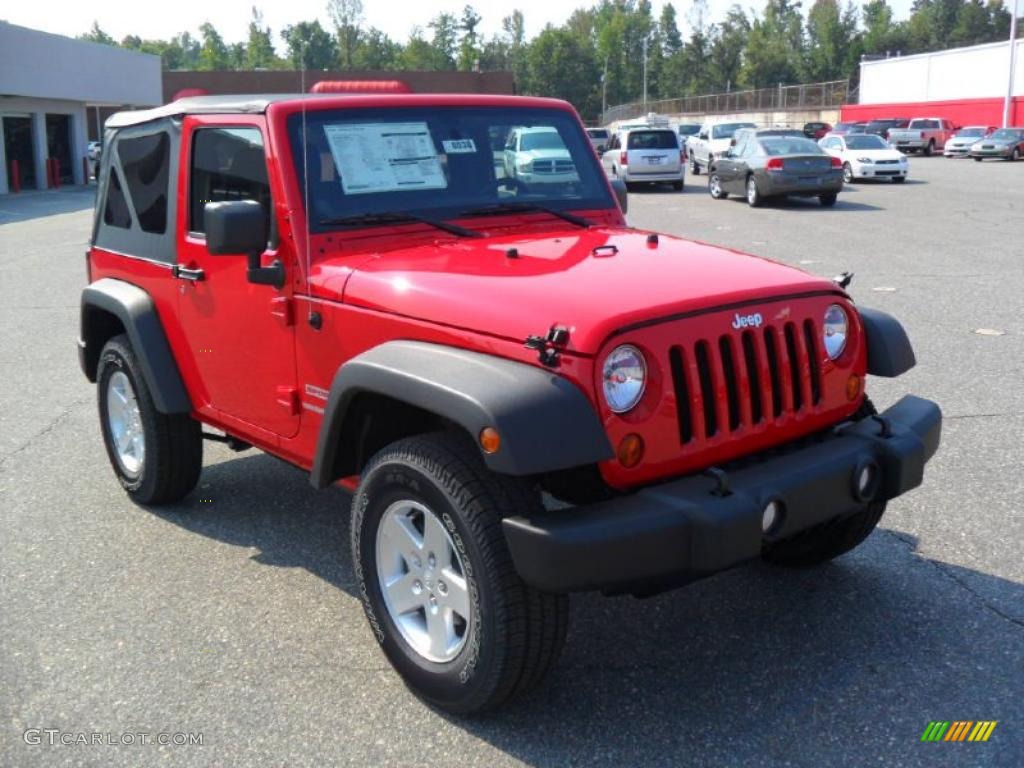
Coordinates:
653	140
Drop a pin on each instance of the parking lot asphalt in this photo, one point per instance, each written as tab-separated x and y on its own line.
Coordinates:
233	614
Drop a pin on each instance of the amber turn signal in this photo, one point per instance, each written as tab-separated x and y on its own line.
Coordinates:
490	440
631	450
853	387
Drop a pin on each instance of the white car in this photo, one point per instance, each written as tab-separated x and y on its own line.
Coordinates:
538	156
866	156
94	150
711	142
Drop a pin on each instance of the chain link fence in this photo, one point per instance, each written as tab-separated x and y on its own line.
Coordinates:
807	96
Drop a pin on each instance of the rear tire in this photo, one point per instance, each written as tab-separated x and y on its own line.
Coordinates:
832	538
513	633
828	200
977	159
848	173
927	151
157	457
694	166
677	186
1016	155
754	197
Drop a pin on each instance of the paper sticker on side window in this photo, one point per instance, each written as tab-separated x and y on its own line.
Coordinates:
385	157
459	146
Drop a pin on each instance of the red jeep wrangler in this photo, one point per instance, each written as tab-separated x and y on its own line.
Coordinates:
362	286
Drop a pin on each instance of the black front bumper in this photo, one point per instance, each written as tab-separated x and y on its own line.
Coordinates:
692	527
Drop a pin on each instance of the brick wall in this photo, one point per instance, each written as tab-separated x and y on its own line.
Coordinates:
288	81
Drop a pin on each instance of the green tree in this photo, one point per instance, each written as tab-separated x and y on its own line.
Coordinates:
444	41
213	53
560	66
418	54
347	16
377	51
259	50
999	20
831	37
310	44
726	52
97	35
469	45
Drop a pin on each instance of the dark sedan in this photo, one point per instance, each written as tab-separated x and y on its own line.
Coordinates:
1007	143
764	164
882	126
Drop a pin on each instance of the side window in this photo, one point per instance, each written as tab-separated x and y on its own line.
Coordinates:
227	164
145	161
115	212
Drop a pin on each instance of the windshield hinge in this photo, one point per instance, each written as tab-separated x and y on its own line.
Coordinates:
548	347
843	279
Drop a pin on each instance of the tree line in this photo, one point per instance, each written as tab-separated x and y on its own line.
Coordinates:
599	52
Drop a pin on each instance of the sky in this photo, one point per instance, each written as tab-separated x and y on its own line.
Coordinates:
163	19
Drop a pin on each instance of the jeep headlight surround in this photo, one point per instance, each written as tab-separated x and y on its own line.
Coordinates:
624	378
835	328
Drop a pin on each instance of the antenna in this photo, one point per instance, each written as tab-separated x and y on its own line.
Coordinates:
305	184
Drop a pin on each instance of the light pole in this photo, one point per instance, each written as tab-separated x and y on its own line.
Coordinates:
645	75
604	89
1008	104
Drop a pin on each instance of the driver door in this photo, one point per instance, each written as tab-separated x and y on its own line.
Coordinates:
240	335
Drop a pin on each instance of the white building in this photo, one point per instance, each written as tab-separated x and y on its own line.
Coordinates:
966	85
47	84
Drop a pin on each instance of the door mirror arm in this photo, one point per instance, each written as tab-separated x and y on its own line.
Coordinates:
240	226
260	275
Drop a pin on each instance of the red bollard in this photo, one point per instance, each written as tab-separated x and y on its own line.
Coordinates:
15	176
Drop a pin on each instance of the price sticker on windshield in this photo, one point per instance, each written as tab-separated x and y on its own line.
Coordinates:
459	146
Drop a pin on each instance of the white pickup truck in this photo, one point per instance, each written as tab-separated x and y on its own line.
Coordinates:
712	140
924	135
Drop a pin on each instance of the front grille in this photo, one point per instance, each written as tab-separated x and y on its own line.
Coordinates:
723	385
888	162
553	166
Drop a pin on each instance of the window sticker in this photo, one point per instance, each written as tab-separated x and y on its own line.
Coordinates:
459	146
385	157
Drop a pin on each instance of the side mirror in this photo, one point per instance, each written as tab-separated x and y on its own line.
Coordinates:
621	194
240	226
703	136
732	142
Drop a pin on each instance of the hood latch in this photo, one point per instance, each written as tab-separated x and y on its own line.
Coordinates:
549	347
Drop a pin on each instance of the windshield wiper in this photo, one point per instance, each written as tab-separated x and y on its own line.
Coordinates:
398	217
501	208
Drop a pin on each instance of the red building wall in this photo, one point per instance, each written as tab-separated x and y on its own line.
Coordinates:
961	111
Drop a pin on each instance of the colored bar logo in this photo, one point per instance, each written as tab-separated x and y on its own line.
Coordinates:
959	730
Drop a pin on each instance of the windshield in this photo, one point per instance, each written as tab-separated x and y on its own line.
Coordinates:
439	161
789	145
968	132
691	129
597	133
1006	133
652	140
866	141
726	130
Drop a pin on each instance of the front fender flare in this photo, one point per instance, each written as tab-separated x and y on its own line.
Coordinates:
889	350
134	308
546	423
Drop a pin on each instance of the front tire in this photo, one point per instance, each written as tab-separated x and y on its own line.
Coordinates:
1015	156
715	186
833	537
899	179
445	602
157	457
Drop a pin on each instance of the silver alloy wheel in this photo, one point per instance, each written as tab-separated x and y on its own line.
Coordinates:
716	186
125	424
847	173
751	190
423	581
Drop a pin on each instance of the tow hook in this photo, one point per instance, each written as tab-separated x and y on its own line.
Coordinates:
548	347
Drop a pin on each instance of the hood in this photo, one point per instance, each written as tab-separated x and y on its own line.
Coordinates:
876	154
546	154
592	281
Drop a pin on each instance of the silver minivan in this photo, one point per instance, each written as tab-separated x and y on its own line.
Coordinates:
650	155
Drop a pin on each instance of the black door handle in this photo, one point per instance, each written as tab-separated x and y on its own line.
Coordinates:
184	273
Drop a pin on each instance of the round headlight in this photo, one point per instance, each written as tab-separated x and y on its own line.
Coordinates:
834	330
625	375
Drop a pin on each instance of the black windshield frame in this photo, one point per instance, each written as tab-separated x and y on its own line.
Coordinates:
328	201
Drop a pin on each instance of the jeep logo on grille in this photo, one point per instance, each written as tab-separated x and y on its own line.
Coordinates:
747	321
